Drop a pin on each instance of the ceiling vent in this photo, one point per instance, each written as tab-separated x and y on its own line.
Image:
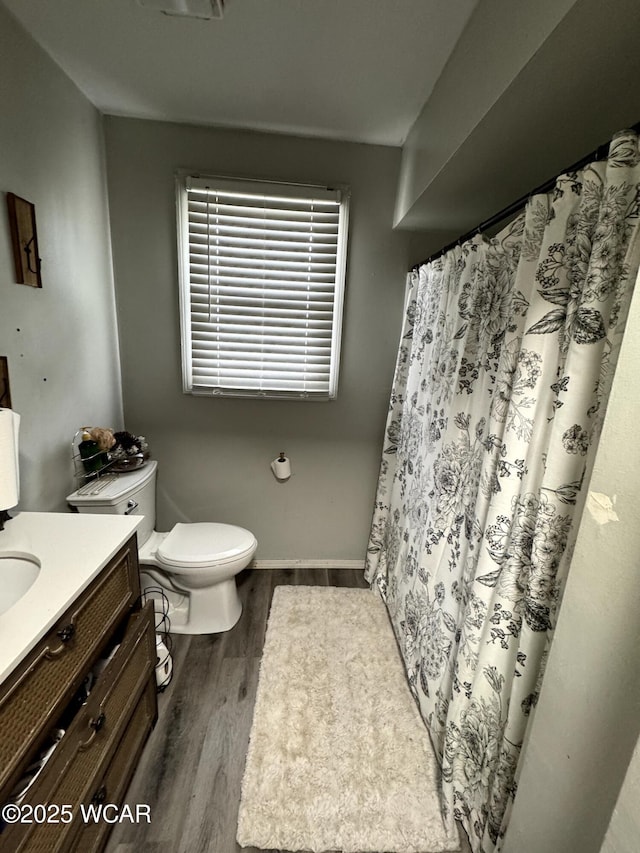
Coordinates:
203	9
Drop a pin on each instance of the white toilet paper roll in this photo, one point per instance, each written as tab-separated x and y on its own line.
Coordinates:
281	467
9	473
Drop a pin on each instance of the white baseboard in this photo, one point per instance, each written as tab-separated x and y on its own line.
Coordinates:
307	564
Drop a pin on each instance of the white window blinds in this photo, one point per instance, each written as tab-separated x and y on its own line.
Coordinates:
262	282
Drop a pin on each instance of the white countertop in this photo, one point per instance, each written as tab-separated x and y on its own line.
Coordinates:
72	548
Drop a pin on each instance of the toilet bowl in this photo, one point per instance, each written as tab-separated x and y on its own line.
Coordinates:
194	565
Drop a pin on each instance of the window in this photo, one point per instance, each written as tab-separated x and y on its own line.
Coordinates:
261	287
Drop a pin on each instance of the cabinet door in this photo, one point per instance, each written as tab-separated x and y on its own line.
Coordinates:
34	696
113	785
87	748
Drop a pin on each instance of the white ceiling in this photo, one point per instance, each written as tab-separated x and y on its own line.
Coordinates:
357	70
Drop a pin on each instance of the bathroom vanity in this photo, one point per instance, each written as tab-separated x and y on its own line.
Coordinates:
77	657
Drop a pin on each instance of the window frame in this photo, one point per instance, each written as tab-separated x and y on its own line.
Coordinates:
189	179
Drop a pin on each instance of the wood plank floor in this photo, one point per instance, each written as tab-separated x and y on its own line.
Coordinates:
191	768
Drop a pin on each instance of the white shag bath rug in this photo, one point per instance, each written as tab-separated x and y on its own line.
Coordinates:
339	758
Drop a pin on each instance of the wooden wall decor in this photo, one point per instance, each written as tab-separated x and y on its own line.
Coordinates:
22	220
5	391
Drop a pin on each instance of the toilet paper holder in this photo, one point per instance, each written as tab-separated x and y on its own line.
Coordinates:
281	467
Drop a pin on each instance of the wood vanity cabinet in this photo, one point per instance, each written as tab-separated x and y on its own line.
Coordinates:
103	739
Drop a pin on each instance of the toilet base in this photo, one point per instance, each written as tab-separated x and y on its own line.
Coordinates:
208	610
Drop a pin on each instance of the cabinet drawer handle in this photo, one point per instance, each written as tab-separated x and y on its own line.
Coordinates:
96	724
100	795
65	634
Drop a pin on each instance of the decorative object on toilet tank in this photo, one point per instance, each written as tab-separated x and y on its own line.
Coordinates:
104	438
100	450
93	459
129	451
9	470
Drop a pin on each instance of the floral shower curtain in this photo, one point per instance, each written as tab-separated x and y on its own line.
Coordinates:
505	363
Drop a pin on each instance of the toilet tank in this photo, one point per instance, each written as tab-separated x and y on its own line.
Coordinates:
133	493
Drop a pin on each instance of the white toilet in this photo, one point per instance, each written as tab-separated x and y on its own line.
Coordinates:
194	564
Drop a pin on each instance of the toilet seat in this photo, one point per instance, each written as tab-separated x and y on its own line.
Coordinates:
201	544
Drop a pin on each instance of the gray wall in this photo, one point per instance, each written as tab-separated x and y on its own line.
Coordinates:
439	131
624	829
214	454
547	95
61	341
586	725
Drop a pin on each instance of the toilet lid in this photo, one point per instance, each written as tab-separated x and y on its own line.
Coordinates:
204	544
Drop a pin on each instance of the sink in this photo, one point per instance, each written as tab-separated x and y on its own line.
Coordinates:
18	572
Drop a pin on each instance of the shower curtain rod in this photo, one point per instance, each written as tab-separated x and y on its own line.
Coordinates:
600	153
